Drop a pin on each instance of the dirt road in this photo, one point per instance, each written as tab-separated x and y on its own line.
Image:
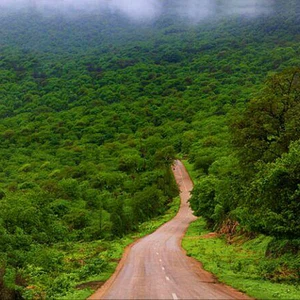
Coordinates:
156	267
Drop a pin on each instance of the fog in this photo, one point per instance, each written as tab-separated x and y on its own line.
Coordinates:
134	9
141	10
200	9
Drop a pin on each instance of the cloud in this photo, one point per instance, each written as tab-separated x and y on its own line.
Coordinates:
137	9
148	9
200	9
195	9
249	7
134	9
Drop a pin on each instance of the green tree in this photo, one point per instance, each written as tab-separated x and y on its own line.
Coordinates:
270	122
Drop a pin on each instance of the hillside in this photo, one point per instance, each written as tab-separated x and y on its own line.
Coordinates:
94	109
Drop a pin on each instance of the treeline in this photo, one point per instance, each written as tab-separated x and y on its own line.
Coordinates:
257	184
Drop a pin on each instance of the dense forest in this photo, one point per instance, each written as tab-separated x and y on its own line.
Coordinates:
95	108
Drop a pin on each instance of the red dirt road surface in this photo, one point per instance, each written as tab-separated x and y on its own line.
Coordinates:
156	267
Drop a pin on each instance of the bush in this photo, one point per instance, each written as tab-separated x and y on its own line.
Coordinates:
203	200
93	266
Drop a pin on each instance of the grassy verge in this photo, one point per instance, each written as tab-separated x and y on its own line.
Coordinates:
189	167
79	268
243	263
240	265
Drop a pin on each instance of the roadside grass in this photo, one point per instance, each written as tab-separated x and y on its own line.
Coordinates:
239	265
80	268
190	168
243	264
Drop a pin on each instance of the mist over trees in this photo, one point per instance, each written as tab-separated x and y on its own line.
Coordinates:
146	10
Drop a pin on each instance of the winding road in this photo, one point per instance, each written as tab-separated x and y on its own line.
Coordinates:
156	267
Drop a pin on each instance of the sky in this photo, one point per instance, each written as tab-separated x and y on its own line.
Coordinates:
141	10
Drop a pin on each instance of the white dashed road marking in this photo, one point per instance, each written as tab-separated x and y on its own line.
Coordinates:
174	296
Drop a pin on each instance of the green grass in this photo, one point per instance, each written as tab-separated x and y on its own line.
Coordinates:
78	263
190	168
239	265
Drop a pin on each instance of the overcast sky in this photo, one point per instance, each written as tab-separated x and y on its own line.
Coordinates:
148	9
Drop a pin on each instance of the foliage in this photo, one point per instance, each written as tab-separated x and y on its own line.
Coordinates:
269	124
258	184
94	109
243	264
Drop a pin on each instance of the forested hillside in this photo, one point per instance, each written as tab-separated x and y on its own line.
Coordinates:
94	109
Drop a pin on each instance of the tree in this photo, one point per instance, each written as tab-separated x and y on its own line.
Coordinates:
148	203
263	132
165	156
203	200
275	196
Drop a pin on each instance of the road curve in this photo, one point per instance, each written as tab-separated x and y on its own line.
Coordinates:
156	267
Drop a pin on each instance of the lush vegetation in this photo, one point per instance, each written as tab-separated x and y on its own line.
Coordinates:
243	264
93	110
261	186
